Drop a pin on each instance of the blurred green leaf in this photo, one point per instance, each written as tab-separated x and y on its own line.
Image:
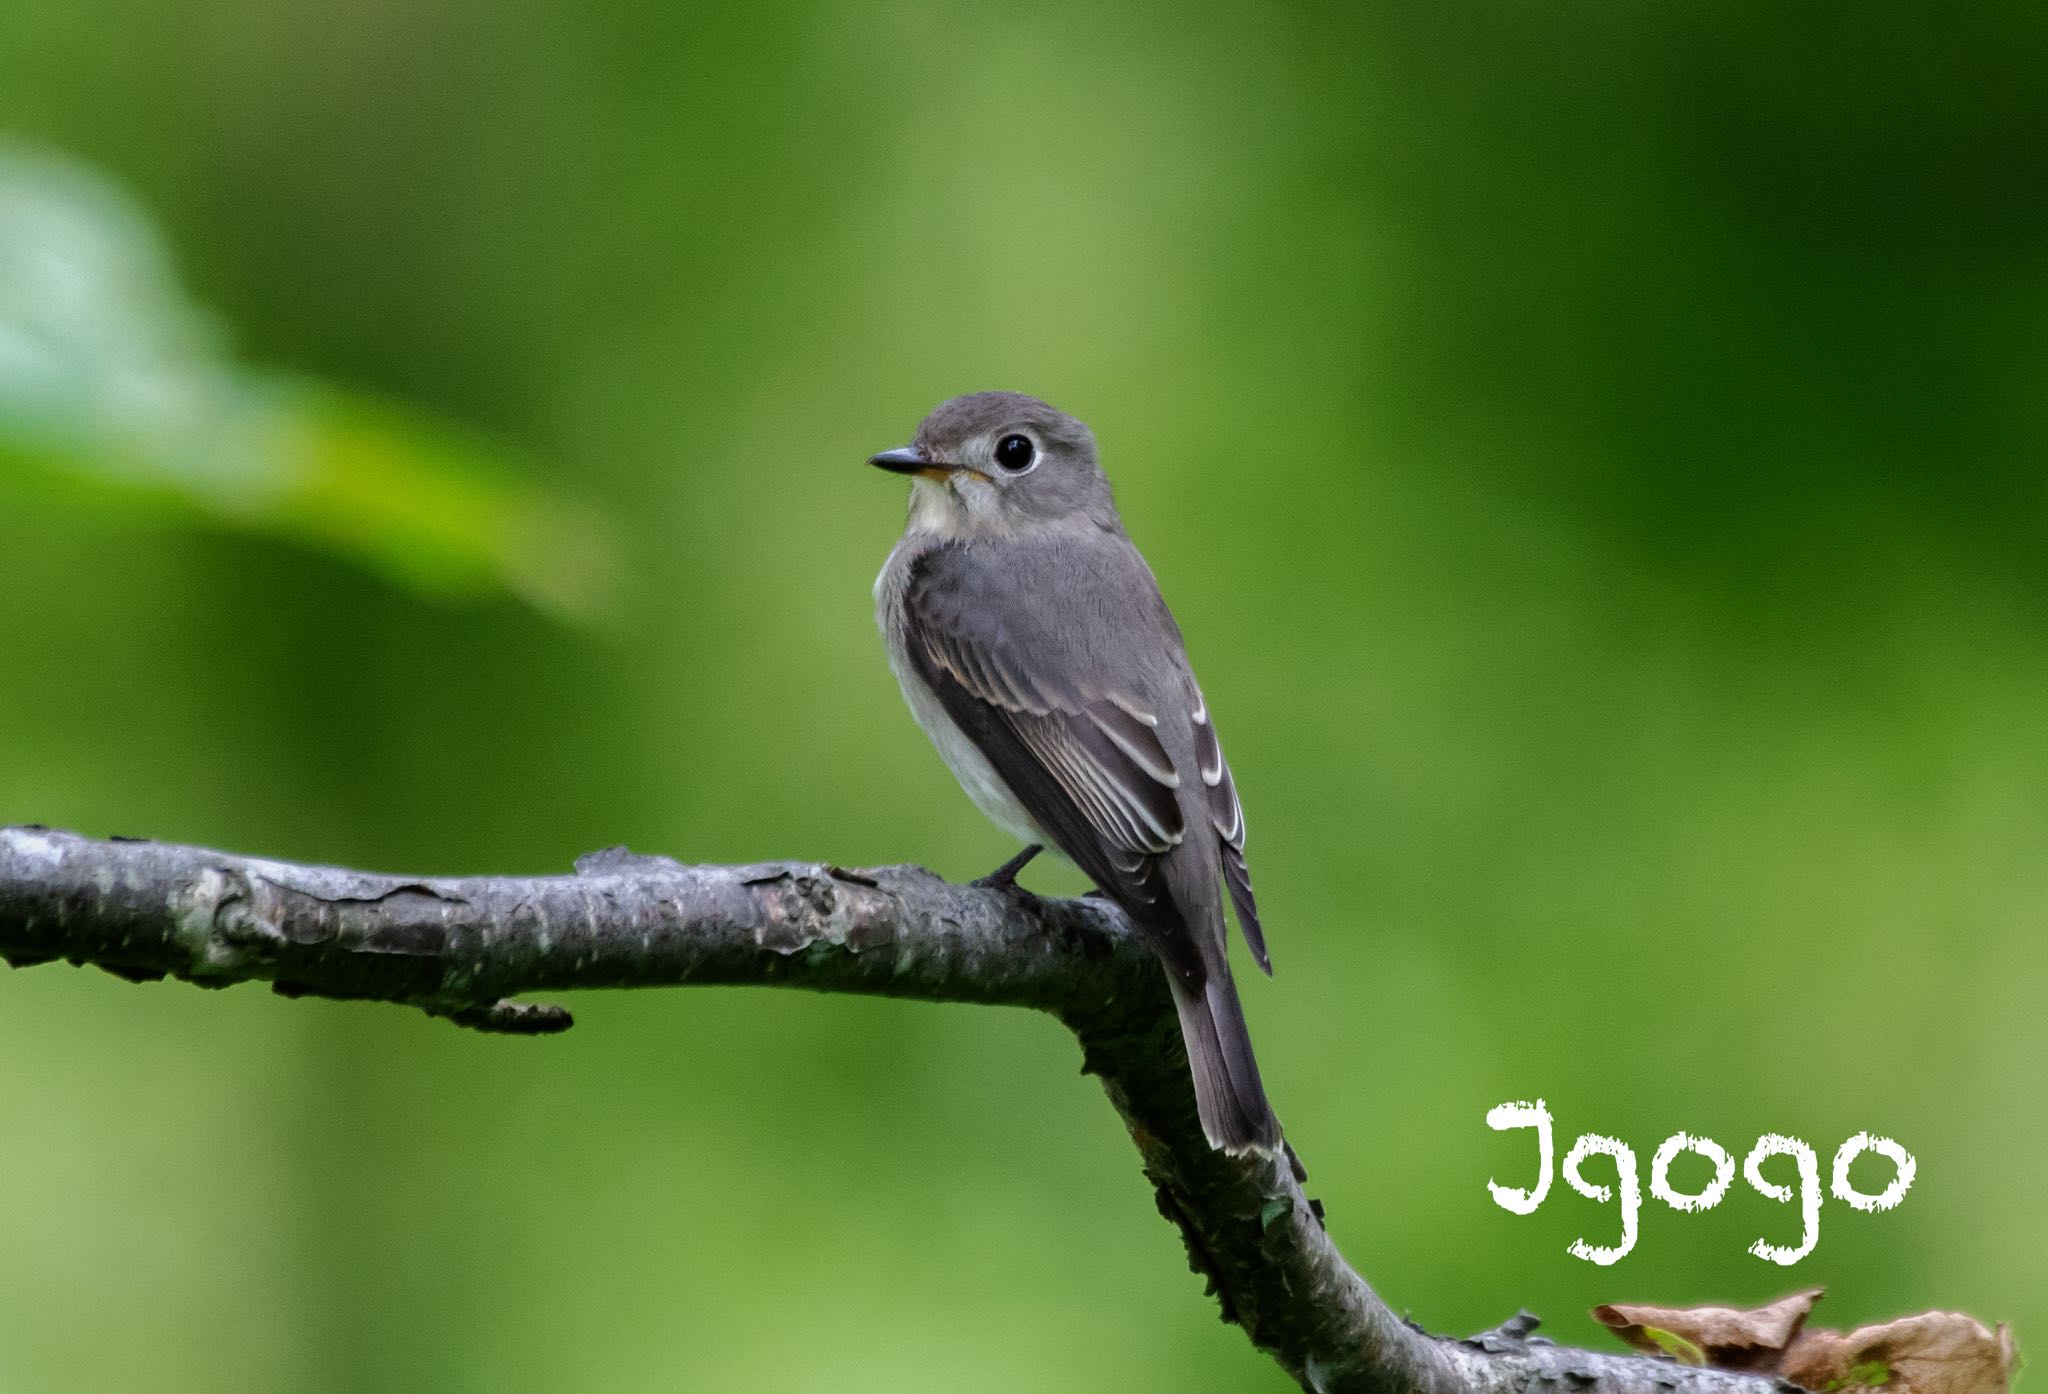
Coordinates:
1869	1374
117	391
1676	1346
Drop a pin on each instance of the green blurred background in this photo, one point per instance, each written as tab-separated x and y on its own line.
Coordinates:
1596	456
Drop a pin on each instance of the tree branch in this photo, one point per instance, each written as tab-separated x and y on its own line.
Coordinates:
461	948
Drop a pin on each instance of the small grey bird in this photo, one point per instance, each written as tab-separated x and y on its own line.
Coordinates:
1034	648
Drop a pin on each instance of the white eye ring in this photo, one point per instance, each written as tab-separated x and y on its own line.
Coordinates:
1015	453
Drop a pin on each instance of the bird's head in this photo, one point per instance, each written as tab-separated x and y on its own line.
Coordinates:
998	462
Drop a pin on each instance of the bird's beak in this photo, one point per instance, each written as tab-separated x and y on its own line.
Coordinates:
911	459
908	459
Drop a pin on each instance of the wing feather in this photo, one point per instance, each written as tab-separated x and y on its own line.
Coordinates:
1090	768
1137	735
1226	816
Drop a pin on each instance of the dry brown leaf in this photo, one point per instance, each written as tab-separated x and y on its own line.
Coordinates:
1727	1338
1932	1353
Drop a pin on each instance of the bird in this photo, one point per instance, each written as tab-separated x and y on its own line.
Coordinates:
1033	646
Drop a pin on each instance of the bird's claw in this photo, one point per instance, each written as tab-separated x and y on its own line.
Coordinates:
1004	877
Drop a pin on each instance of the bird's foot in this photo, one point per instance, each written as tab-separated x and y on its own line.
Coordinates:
1004	877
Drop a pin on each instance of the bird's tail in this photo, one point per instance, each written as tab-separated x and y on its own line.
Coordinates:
1228	1094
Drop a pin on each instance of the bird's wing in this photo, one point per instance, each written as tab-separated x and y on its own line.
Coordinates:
1226	817
1084	758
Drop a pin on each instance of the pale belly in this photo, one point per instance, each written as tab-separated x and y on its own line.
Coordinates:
963	757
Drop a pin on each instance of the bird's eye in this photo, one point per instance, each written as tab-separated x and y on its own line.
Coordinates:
1015	453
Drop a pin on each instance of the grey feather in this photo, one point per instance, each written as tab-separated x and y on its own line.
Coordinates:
1226	816
1032	643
